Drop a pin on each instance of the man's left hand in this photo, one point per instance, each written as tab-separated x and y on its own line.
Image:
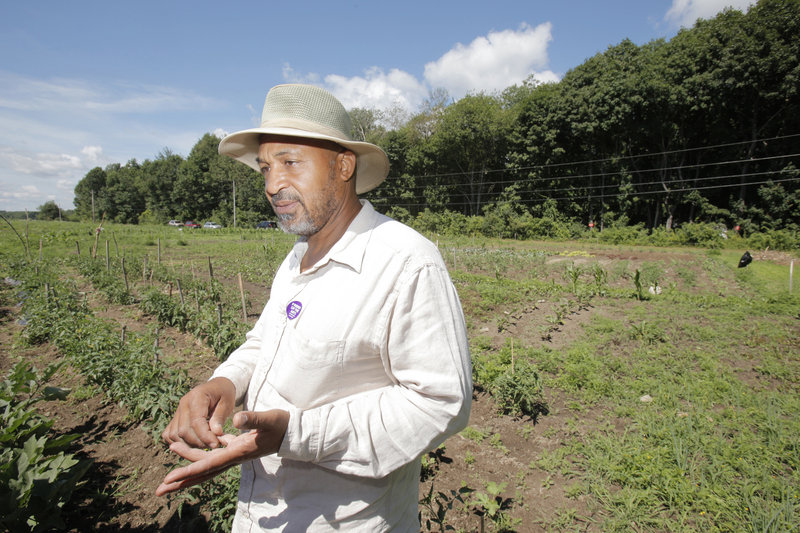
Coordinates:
267	429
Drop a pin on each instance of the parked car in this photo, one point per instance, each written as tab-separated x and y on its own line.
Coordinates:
191	224
266	224
174	223
211	225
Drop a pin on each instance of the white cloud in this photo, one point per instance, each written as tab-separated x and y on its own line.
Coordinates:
292	76
21	93
38	164
494	62
377	89
93	155
31	178
25	191
490	63
686	12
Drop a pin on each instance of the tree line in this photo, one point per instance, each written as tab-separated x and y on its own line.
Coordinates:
704	127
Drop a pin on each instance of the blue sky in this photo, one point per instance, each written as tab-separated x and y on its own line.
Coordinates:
88	83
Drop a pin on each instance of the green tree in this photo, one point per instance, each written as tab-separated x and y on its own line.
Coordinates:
159	176
470	147
89	186
124	198
49	211
197	191
366	124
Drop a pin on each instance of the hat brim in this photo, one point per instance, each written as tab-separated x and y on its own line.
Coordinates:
372	164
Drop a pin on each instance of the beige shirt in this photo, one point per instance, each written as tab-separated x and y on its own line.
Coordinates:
367	350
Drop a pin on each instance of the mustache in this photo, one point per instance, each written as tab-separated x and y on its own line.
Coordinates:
285	195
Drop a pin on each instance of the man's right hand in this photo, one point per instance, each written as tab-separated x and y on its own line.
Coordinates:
201	414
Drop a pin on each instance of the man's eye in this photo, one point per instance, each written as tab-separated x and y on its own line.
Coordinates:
264	170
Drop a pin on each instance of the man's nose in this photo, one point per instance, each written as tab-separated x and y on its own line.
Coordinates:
274	182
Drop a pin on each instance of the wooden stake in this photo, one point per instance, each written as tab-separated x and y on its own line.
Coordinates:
155	346
78	247
108	266
159	250
241	291
124	274
97	235
122	335
27	243
210	268
791	274
180	290
219	314
512	356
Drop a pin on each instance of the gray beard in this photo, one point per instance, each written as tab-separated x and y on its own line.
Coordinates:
303	226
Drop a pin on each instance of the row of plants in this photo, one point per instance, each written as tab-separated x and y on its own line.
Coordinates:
201	307
37	473
205	320
513	223
127	368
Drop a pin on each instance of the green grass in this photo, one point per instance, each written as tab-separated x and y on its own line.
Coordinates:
718	352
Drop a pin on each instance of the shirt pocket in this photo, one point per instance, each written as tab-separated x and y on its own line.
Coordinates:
307	371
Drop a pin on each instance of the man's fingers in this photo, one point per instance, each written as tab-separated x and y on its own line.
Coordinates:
181	483
218	417
188	452
201	414
197	454
201	433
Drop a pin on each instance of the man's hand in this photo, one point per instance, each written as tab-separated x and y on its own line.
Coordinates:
201	413
267	429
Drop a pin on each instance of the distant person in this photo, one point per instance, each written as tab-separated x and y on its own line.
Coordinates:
359	362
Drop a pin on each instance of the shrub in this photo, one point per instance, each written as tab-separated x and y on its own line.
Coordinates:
623	234
775	240
548	228
518	391
701	234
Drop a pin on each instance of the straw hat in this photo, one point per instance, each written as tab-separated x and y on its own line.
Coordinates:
312	113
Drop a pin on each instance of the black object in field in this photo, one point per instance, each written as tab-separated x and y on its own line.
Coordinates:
745	260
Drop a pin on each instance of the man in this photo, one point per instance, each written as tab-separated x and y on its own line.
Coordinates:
359	362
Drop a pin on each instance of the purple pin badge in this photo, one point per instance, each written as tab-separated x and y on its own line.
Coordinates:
293	309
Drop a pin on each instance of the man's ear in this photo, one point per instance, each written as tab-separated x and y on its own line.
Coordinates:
347	165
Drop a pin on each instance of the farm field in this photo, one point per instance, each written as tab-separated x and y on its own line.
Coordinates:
617	388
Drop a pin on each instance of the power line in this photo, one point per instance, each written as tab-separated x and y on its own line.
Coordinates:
604	160
661	182
606	196
612	174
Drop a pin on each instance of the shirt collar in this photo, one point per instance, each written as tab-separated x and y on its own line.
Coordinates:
349	250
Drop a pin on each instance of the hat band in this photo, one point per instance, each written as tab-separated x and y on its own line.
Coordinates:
306	125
